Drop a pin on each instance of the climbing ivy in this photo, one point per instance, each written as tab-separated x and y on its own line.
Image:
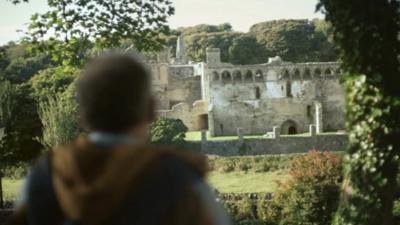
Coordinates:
367	34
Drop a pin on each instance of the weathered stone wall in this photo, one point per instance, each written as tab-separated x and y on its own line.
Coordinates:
282	145
258	97
183	85
193	116
333	104
159	72
173	84
252	97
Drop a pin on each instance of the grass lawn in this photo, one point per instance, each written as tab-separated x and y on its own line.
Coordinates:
233	182
241	182
196	136
11	188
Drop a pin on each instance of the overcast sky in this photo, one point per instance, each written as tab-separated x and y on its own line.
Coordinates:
240	13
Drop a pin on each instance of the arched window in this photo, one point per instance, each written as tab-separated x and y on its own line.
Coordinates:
259	76
289	89
296	75
317	73
226	76
307	74
285	75
249	76
237	76
328	72
215	76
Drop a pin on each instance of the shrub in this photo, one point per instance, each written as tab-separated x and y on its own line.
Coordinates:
268	211
59	117
241	210
311	196
168	131
267	163
15	170
366	33
396	211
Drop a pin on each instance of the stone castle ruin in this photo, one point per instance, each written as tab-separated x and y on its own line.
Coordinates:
221	97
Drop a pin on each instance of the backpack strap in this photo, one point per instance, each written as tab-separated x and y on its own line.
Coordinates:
43	208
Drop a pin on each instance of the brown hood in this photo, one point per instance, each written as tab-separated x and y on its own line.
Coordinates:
90	182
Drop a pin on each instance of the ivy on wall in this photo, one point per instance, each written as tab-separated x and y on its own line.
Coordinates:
367	34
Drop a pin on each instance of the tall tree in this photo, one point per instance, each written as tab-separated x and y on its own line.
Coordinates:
246	50
70	27
22	125
367	33
293	40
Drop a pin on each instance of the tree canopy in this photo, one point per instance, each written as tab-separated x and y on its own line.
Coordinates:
367	34
293	40
71	28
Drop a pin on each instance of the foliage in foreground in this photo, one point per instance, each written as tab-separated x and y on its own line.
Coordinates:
312	194
309	197
70	29
168	131
265	163
59	118
367	34
21	125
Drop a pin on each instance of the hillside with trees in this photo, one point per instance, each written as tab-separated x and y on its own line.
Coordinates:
293	40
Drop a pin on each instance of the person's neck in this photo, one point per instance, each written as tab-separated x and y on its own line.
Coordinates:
140	133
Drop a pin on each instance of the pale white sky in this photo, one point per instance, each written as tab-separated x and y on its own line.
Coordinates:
240	13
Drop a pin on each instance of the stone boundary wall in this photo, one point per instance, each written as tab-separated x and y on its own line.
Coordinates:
282	145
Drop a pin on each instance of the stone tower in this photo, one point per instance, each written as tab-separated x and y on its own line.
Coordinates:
181	57
213	56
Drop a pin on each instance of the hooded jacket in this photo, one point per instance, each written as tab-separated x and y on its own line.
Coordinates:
83	183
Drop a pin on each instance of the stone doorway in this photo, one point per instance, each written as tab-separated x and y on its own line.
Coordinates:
292	130
289	127
202	122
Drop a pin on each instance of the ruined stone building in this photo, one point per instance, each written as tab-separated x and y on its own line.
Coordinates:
222	97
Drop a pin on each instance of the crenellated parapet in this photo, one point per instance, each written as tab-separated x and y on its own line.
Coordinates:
267	72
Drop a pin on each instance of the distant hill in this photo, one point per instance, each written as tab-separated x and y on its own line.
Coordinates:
293	40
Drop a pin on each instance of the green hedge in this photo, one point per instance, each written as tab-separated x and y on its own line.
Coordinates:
309	197
266	163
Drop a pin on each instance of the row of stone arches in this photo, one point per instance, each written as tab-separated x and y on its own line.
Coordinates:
308	74
286	74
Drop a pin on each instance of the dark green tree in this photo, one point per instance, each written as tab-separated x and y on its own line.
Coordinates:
7	91
52	81
196	44
168	131
18	65
293	40
203	28
21	127
246	50
367	34
21	69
